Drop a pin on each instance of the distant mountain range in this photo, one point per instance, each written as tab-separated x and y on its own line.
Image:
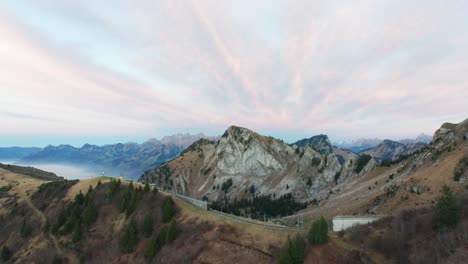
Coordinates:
133	159
392	150
16	153
129	159
364	144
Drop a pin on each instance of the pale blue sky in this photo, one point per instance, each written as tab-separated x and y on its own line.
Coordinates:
108	71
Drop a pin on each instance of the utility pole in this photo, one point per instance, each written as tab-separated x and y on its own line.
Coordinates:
300	221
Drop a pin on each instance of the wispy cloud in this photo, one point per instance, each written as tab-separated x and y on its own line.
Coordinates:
361	68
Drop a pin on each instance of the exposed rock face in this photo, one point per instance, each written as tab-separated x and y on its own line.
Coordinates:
249	159
243	152
391	150
453	133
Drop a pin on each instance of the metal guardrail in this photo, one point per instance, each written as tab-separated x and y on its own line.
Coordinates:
197	203
244	220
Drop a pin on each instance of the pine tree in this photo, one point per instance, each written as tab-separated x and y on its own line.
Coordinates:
318	232
89	214
446	213
148	226
147	187
129	239
77	232
125	200
297	250
294	252
155	244
168	209
79	198
173	232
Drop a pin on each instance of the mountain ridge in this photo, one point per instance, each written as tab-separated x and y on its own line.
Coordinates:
129	159
255	162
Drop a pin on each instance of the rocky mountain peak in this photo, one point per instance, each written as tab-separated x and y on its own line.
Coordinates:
391	143
319	142
238	132
450	132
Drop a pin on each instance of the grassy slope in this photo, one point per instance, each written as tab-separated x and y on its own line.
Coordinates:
205	238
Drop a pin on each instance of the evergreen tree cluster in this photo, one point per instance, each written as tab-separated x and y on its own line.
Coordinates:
130	199
362	162
294	252
129	239
318	232
55	188
164	237
390	162
226	185
446	213
114	185
260	207
77	217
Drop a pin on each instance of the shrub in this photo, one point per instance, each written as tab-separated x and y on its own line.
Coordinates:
6	188
25	230
446	211
252	189
226	185
460	169
316	161
318	232
337	176
6	253
168	209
